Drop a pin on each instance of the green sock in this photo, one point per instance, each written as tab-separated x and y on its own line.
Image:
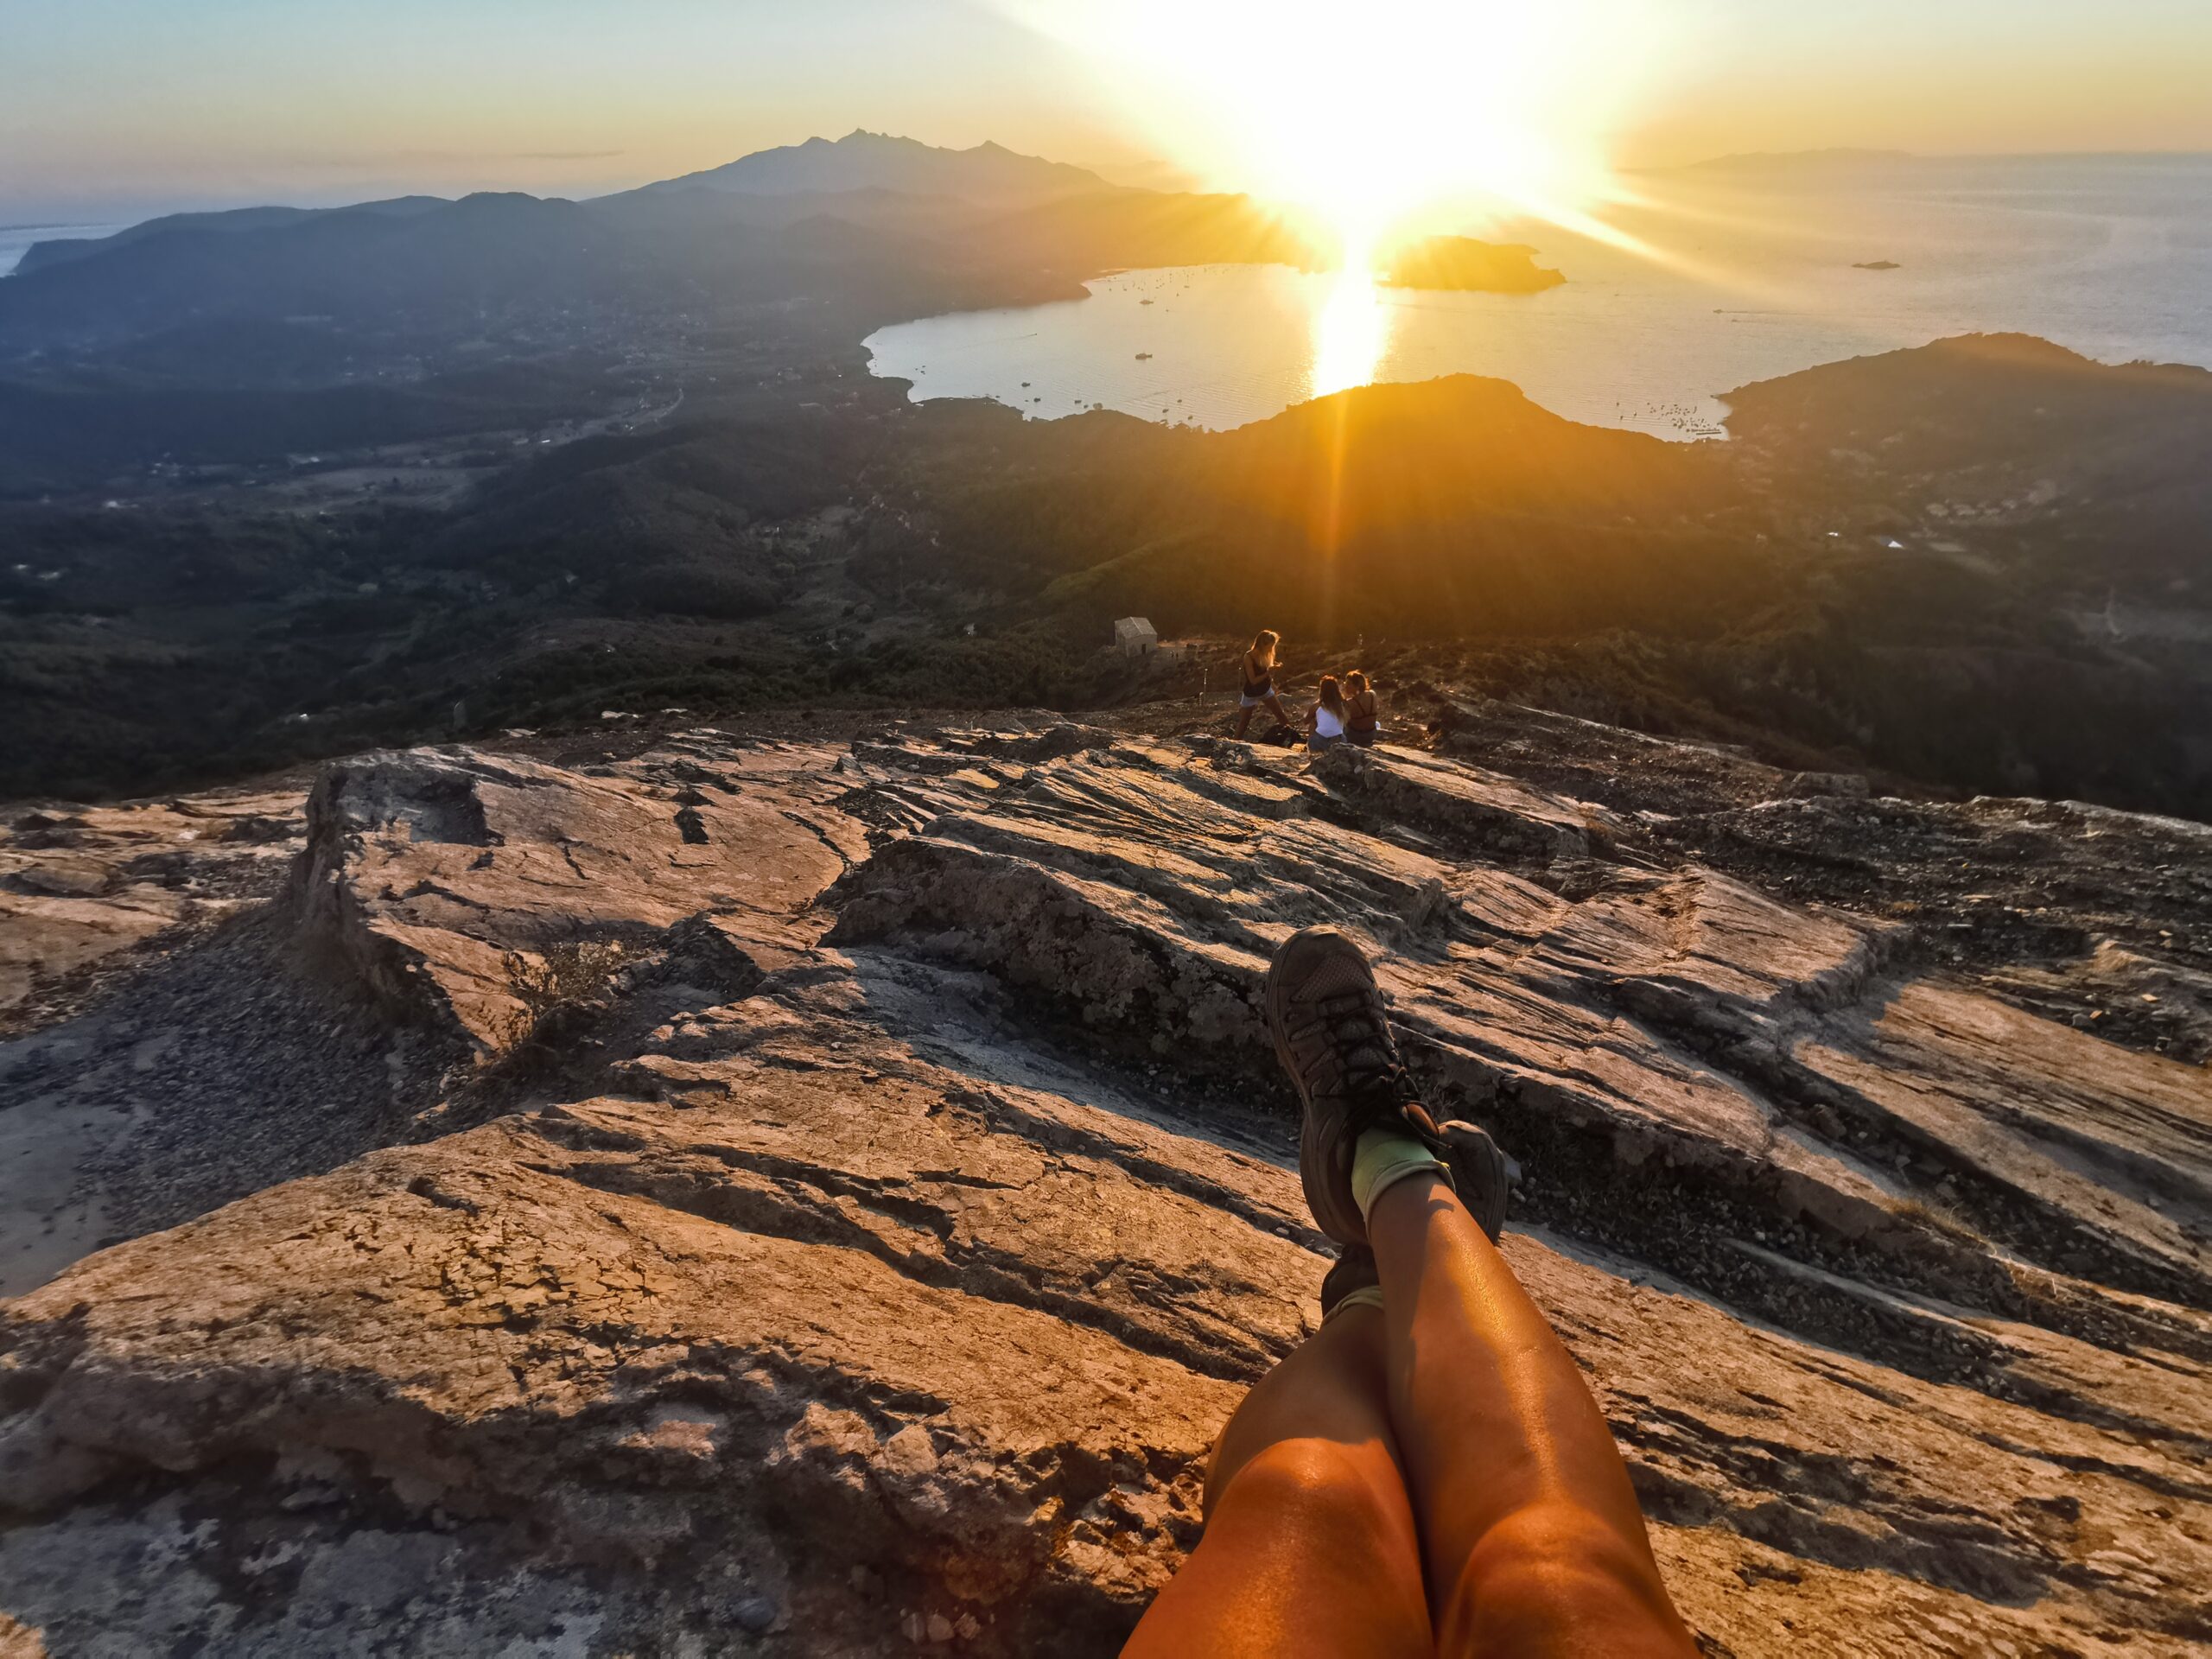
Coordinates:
1365	1296
1384	1158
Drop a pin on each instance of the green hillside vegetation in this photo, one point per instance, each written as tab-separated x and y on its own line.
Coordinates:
814	541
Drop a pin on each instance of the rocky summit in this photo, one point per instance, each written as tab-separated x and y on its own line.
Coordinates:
712	1195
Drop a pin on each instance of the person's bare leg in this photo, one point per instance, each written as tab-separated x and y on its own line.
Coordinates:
1533	1540
1244	718
1530	1533
1309	1545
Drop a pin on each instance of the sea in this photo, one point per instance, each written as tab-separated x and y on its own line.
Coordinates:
1711	278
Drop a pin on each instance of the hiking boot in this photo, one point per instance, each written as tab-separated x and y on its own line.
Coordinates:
1333	1036
1481	1173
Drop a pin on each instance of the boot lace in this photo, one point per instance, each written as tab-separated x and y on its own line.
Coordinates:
1372	1075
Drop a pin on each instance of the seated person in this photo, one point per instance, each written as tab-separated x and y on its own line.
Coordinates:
1363	710
1325	722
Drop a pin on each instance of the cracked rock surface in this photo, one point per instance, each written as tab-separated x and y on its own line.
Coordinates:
826	1199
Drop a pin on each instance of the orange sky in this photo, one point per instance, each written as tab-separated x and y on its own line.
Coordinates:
129	104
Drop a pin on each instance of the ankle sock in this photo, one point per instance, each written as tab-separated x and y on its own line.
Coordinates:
1384	1158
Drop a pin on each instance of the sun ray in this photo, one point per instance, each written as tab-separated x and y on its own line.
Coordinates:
1391	121
1372	115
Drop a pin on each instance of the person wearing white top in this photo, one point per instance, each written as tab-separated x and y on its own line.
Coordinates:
1325	722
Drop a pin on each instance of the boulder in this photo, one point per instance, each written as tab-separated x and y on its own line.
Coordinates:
466	893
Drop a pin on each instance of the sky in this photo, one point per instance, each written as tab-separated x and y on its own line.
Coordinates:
110	109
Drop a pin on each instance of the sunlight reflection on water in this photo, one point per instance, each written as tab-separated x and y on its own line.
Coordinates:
1351	334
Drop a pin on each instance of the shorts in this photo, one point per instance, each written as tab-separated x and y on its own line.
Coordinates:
1362	739
1254	703
1317	743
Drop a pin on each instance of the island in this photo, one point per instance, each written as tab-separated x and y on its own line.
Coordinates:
1877	264
1464	264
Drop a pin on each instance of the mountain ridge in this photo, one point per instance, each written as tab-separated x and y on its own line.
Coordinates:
988	173
863	160
43	256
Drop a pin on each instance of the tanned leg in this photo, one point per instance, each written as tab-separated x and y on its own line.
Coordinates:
1310	1548
1243	718
1533	1540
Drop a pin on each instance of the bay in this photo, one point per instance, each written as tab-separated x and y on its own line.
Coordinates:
1711	278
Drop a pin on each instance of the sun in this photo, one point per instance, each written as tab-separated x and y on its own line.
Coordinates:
1382	116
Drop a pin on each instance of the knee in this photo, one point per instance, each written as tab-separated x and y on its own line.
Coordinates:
1312	1484
1556	1568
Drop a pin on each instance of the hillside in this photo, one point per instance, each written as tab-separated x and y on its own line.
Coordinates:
283	486
806	1196
42	255
1987	432
1992	618
867	230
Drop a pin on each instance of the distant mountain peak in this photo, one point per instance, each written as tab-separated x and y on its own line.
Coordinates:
877	160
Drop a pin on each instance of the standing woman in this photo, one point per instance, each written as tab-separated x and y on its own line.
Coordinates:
1325	722
1363	710
1256	689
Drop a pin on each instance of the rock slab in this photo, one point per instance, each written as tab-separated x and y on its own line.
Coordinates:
864	1256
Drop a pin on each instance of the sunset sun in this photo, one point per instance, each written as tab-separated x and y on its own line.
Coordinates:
1372	117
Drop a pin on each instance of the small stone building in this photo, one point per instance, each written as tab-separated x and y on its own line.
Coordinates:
1135	636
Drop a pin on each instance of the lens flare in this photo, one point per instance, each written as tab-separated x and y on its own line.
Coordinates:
1375	115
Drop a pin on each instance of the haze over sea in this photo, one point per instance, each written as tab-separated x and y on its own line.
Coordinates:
1757	277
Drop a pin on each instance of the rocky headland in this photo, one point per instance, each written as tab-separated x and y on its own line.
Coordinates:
1467	266
700	1193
